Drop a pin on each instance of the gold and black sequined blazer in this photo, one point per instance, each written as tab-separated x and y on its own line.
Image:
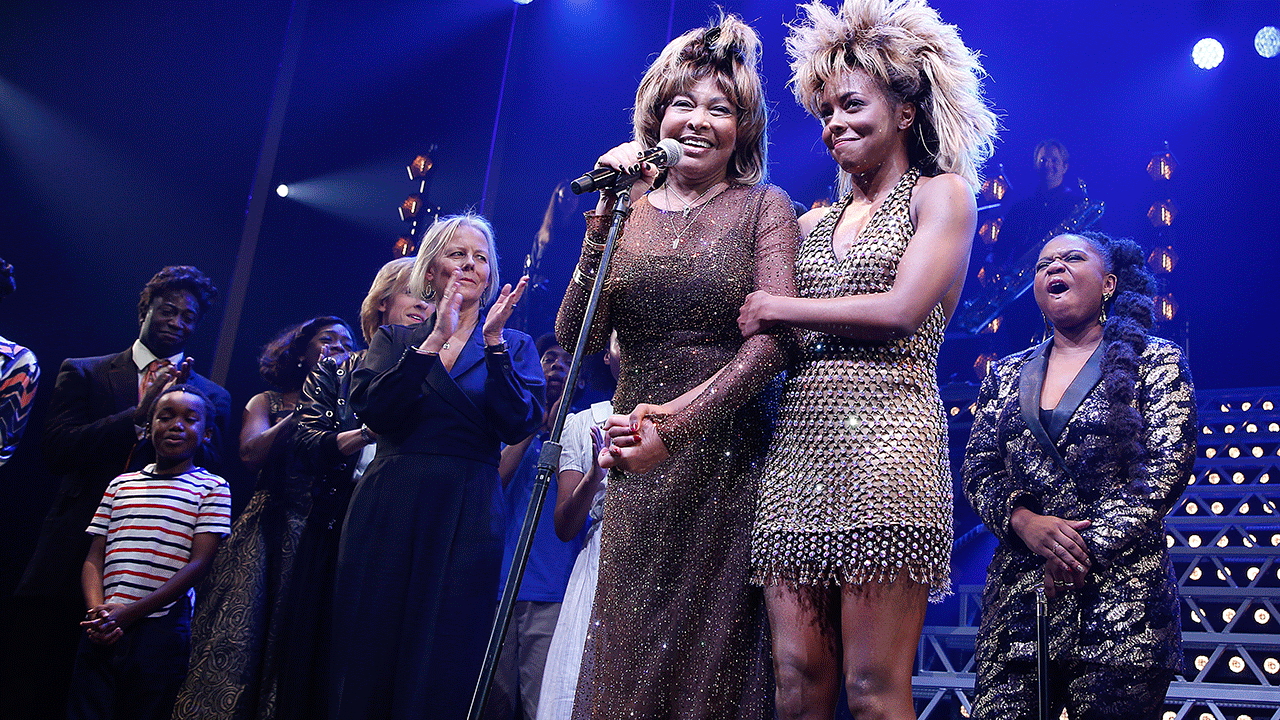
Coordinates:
1127	613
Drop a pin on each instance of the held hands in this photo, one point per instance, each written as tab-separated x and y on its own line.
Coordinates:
634	443
624	158
1059	542
501	311
105	623
757	313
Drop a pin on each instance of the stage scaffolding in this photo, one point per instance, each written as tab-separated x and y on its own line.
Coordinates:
1224	536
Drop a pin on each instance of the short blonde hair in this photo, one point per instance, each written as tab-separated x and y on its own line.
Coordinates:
914	57
391	280
728	52
433	242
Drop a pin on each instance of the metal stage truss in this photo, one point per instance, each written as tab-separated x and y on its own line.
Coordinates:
1224	536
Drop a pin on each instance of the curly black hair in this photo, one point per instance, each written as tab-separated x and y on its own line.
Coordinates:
178	277
1129	319
280	363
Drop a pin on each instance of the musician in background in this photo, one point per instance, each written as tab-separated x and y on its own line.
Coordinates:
1031	219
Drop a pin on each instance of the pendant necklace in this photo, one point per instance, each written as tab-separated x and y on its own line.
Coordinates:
688	207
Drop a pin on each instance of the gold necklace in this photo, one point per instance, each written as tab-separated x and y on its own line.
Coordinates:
679	236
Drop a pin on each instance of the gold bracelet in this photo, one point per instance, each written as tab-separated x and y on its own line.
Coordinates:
588	242
582	278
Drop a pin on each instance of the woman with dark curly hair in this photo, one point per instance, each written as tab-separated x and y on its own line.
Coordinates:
233	673
1079	448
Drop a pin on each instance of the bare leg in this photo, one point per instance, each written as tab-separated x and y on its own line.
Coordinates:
881	625
806	662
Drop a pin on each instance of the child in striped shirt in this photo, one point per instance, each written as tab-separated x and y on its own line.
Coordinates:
155	534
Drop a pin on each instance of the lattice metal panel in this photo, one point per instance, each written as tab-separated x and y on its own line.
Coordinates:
1224	537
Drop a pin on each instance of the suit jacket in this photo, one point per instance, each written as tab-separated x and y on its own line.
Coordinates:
1127	612
89	438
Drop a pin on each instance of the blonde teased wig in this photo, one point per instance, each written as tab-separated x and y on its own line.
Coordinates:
433	242
914	57
729	52
391	280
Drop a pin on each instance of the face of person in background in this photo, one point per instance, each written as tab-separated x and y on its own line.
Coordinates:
555	367
861	126
333	341
1071	278
405	308
705	122
169	323
1051	165
465	256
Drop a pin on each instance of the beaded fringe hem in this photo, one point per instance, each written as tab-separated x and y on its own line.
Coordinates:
854	557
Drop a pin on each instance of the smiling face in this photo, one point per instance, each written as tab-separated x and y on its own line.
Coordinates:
466	256
555	368
404	308
1071	278
705	122
179	424
861	126
332	341
170	320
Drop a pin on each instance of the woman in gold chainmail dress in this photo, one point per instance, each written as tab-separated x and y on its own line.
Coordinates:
853	534
677	631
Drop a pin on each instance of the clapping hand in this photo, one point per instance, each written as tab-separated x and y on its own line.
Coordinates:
501	311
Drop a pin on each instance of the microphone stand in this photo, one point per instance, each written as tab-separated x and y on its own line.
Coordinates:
548	464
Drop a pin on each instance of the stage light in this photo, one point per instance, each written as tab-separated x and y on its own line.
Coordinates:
993	326
1236	664
1162	213
420	166
1207	53
1196	574
1162	165
1228	615
411	207
1201	662
523	2
1261	616
1192	508
1166	306
282	190
995	188
1193	541
1271	665
1216	507
983	364
1267	42
1162	260
990	231
404	247
1229	429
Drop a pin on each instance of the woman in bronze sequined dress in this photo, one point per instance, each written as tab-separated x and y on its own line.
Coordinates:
677	630
853	534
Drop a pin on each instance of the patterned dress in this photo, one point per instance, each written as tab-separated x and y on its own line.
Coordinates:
233	673
857	487
19	377
677	630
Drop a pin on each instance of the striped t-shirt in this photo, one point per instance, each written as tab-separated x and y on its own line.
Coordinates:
150	522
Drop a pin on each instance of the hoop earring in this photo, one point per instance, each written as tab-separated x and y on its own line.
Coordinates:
1106	298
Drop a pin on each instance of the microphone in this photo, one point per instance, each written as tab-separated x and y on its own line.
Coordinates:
667	153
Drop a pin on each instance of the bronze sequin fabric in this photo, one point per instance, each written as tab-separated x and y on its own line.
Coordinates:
857	486
677	630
